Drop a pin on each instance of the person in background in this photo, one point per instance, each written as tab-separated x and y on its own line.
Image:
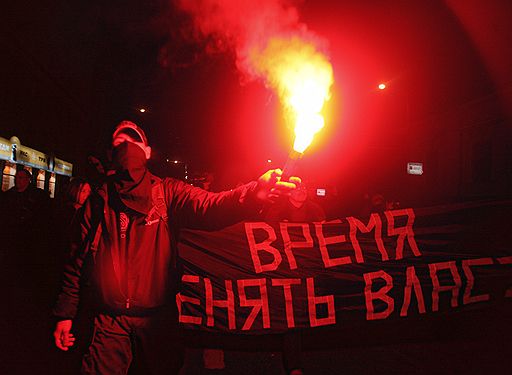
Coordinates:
128	246
377	203
24	201
298	208
372	203
75	195
95	171
80	191
68	209
24	282
25	213
213	359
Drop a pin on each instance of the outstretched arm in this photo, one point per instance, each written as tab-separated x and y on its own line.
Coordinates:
199	209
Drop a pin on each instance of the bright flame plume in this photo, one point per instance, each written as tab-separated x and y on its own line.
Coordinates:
302	77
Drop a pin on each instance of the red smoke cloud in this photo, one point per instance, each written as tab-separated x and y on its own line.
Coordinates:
242	25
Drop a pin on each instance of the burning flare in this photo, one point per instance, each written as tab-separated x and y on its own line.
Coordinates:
302	77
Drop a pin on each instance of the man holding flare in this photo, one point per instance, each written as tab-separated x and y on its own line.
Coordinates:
128	252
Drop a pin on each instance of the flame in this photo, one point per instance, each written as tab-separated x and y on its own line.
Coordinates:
302	77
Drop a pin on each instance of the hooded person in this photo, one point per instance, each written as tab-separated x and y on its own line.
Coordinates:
298	208
127	247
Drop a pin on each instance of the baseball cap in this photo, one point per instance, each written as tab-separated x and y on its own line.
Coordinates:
131	129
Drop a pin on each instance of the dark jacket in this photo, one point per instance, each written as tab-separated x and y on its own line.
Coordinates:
136	278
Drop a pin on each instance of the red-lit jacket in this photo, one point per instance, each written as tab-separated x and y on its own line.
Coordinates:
133	279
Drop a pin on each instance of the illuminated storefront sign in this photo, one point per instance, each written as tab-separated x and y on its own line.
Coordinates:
33	158
5	149
13	150
62	167
15	154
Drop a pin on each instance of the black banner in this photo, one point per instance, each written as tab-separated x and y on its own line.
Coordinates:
257	277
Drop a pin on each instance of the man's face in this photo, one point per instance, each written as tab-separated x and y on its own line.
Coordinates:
122	137
298	196
22	180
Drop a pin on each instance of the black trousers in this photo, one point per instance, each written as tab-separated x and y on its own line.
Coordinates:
155	339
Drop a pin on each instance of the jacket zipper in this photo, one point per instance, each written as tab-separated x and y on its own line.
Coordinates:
124	241
127	277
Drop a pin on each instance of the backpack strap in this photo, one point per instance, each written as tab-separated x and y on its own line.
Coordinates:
158	197
96	240
96	228
159	209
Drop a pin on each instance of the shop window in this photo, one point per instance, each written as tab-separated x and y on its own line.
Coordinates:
8	173
51	185
40	179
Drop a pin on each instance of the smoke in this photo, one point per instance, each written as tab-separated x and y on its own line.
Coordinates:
245	27
270	43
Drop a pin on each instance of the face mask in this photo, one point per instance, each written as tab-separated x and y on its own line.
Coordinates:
132	179
129	162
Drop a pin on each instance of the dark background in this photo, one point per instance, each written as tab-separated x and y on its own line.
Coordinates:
72	69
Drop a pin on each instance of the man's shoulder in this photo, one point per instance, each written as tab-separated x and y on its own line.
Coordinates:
168	182
165	180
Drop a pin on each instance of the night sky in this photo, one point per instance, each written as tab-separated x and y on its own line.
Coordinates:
72	69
